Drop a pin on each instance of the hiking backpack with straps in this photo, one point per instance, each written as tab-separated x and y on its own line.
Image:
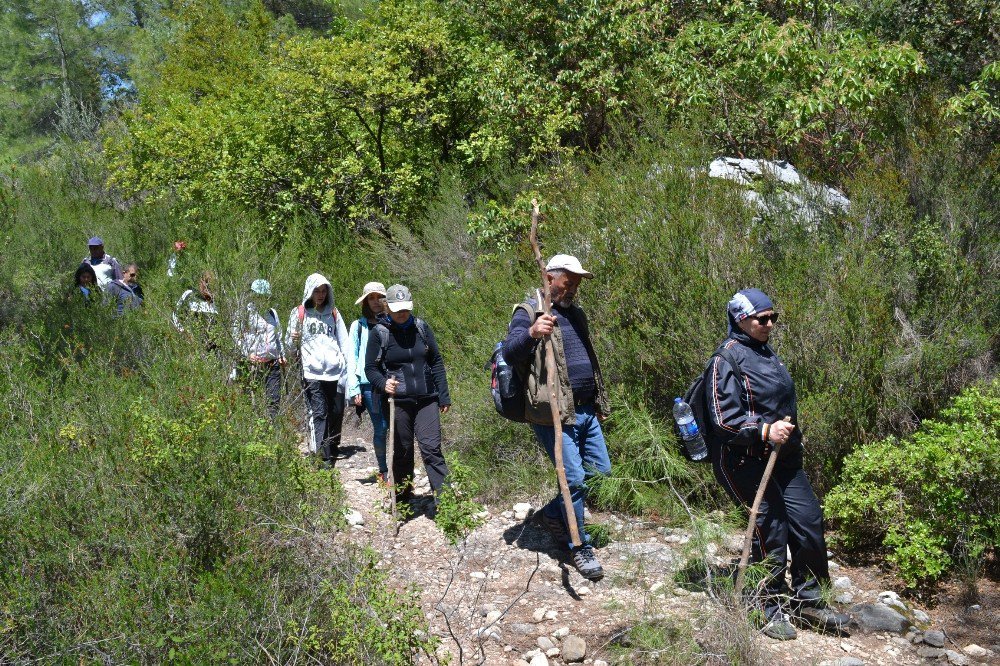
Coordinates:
382	331
697	397
507	386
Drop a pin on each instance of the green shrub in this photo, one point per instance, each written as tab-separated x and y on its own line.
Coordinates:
931	498
457	512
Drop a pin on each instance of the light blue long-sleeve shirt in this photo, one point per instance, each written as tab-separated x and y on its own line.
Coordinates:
357	343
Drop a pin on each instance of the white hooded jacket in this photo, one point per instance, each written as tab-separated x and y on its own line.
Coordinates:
322	337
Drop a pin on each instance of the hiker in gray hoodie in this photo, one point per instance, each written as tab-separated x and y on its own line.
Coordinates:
316	328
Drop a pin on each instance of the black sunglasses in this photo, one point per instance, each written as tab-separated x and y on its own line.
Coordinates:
763	319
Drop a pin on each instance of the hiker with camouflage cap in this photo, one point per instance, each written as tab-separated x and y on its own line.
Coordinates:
403	361
748	407
584	402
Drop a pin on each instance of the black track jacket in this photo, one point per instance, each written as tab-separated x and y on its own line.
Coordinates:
739	412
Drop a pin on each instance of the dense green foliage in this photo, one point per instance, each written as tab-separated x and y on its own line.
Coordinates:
931	499
151	514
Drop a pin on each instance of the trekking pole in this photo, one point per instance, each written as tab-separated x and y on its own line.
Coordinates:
748	537
553	386
392	458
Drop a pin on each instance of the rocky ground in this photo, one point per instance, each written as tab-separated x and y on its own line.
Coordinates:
507	595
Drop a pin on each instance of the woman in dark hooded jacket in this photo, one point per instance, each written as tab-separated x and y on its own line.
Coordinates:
748	417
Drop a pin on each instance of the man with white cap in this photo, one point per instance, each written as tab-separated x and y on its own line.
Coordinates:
105	266
359	390
584	401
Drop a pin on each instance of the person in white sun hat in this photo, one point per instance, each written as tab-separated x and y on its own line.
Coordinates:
359	390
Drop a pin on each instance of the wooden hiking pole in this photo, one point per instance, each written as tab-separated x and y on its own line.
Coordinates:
391	455
552	382
748	537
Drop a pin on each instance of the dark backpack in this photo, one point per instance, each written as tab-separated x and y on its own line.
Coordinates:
697	397
507	388
507	384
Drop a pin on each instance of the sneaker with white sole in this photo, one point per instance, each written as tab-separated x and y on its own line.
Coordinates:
587	563
780	627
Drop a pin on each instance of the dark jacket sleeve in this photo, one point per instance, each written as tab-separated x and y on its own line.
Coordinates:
372	371
436	362
519	346
731	421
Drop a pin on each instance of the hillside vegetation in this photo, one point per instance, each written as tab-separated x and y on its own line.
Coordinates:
151	515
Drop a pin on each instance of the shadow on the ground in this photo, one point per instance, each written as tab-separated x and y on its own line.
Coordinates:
529	535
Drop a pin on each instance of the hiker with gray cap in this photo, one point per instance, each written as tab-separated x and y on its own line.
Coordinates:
750	417
106	268
359	389
257	333
403	362
584	401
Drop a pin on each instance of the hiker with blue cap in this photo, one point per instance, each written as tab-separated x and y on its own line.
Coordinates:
258	339
106	268
753	411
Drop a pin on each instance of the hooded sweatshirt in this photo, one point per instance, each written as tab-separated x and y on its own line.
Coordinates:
257	335
322	336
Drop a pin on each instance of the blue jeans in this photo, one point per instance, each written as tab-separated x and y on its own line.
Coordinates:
585	455
380	424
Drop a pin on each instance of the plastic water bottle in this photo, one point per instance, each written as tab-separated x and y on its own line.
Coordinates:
693	440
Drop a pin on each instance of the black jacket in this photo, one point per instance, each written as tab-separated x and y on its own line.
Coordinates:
419	367
738	413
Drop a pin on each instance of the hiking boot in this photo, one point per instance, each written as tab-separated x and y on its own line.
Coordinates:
780	628
587	564
553	526
823	619
382	479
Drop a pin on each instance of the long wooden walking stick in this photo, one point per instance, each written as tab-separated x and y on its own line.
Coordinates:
754	509
552	382
391	455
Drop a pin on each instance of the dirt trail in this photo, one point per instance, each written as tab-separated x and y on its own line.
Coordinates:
508	589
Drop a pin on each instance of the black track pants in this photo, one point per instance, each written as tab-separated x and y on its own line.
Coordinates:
790	518
325	411
421	421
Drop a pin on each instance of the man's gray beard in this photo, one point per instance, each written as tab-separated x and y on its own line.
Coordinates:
564	303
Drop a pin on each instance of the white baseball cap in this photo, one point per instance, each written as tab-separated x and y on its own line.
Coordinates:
568	263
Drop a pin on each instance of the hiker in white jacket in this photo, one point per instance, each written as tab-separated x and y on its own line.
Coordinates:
258	340
318	330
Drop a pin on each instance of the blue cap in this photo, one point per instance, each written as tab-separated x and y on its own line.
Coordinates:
96	240
261	287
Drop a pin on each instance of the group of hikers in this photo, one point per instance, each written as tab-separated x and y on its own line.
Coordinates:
388	353
101	273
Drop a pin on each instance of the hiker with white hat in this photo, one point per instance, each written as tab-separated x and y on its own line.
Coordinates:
582	396
258	340
359	390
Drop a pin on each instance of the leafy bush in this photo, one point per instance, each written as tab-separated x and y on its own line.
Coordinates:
929	498
457	512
